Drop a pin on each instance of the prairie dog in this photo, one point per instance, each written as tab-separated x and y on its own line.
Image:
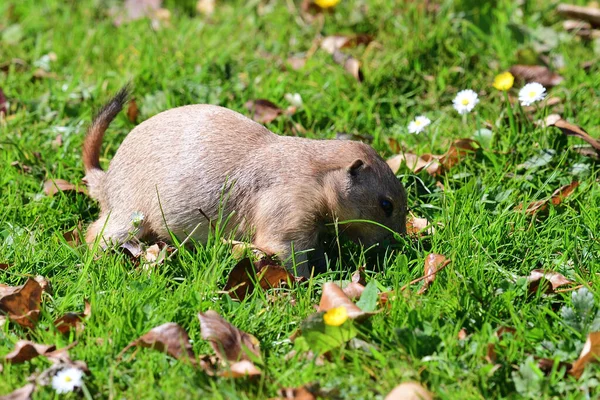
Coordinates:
280	191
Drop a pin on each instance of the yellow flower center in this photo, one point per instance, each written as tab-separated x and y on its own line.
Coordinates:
68	379
336	316
464	102
532	94
418	123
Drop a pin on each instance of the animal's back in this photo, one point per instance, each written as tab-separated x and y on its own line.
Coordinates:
176	163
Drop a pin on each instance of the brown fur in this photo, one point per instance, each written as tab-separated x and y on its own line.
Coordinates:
280	190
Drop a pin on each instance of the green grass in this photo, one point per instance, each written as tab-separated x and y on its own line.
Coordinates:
419	62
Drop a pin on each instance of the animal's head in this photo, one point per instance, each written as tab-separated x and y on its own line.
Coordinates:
367	189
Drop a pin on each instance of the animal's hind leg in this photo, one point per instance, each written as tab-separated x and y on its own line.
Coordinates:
112	229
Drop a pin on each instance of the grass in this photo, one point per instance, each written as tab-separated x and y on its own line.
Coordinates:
420	61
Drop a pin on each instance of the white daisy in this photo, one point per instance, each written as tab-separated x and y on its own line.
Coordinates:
67	380
419	124
136	218
465	101
294	99
531	93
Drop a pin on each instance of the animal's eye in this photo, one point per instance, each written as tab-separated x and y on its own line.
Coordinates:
387	207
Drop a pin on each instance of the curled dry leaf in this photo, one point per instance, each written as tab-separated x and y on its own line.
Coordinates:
557	197
73	237
350	64
301	393
538	276
336	42
491	356
243	277
536	73
333	297
26	350
297	63
590	353
53	186
22	303
457	151
24	393
409	391
3	104
263	111
546	365
230	343
72	320
156	254
433	264
574	130
168	338
240	369
590	14
418	226
415	163
354	290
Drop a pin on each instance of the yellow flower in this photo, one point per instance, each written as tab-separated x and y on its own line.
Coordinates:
327	3
336	316
504	81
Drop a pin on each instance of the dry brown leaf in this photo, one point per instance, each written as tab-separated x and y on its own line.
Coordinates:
590	353
22	303
132	111
557	197
301	393
459	149
353	290
409	391
547	365
230	343
23	393
590	14
263	111
538	276
53	186
418	226
3	104
243	277
333	296
22	167
297	63
536	73
72	320
168	338
414	163
574	130
240	369
4	266
43	74
25	350
433	263
73	237
350	64
491	356
336	42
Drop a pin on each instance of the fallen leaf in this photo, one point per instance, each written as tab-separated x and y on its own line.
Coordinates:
418	226
409	391
72	320
4	266
23	167
57	142
333	296
353	290
73	237
230	343
557	197
462	334
574	130
491	356
546	365
301	393
43	74
433	263
23	393
240	369
51	187
538	276
414	163
22	303
350	64
263	111
168	338
244	276
590	353
156	254
296	63
590	14
457	151
26	350
336	42
132	111
536	73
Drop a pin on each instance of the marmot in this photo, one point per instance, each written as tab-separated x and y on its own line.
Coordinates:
191	164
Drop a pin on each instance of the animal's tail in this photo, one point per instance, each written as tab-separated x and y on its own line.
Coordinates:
94	175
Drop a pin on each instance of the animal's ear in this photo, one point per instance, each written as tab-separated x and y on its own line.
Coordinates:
355	167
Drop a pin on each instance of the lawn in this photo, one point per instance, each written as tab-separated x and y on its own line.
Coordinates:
61	60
